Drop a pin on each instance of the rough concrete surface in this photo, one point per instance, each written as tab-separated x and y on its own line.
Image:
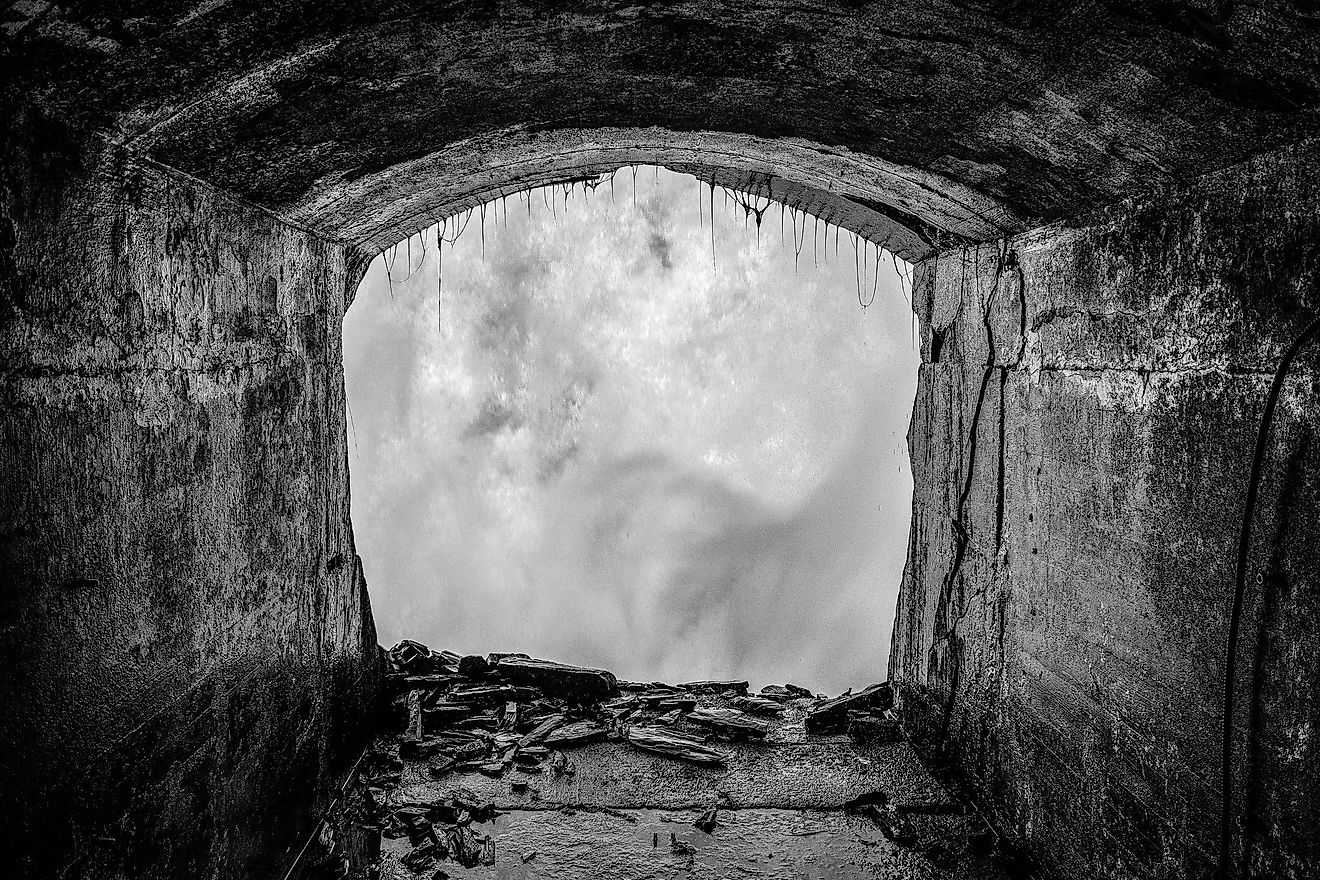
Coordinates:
1046	109
784	811
1070	659
187	188
188	649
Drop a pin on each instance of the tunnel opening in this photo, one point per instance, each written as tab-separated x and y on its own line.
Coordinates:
641	421
631	486
1111	212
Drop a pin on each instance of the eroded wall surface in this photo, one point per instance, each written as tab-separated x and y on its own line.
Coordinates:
187	644
1061	626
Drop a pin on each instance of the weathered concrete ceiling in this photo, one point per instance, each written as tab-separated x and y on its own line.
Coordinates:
362	119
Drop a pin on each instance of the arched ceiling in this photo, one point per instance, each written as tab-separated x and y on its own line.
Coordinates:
366	119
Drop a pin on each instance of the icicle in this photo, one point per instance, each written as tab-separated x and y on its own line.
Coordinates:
792	228
857	270
440	274
701	218
815	233
712	224
483	231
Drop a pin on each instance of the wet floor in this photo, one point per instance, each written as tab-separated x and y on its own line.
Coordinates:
796	803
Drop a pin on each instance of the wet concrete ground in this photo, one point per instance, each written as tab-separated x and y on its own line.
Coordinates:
782	812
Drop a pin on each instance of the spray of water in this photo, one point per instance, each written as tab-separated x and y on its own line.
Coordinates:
633	442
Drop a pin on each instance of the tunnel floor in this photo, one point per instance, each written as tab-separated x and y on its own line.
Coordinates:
519	768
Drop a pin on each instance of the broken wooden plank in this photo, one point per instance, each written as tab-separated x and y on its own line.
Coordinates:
673	745
576	683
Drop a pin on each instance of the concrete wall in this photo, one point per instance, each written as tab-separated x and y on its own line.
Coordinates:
187	652
1069	658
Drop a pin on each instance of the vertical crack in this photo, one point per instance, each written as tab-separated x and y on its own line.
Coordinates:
945	632
999	488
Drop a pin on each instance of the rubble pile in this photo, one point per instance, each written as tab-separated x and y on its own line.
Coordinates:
514	717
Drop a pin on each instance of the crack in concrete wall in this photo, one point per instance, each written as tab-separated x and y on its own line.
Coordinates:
1059	634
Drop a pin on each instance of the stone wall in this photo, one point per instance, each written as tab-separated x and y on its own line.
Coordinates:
188	654
1061	626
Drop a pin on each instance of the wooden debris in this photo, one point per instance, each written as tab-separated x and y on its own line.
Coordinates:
673	745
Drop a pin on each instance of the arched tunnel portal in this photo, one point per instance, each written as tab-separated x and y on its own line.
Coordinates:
1112	208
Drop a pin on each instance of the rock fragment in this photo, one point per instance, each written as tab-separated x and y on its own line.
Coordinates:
730	721
731	686
832	714
474	666
576	734
542	730
576	683
673	745
874	727
756	705
412	657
